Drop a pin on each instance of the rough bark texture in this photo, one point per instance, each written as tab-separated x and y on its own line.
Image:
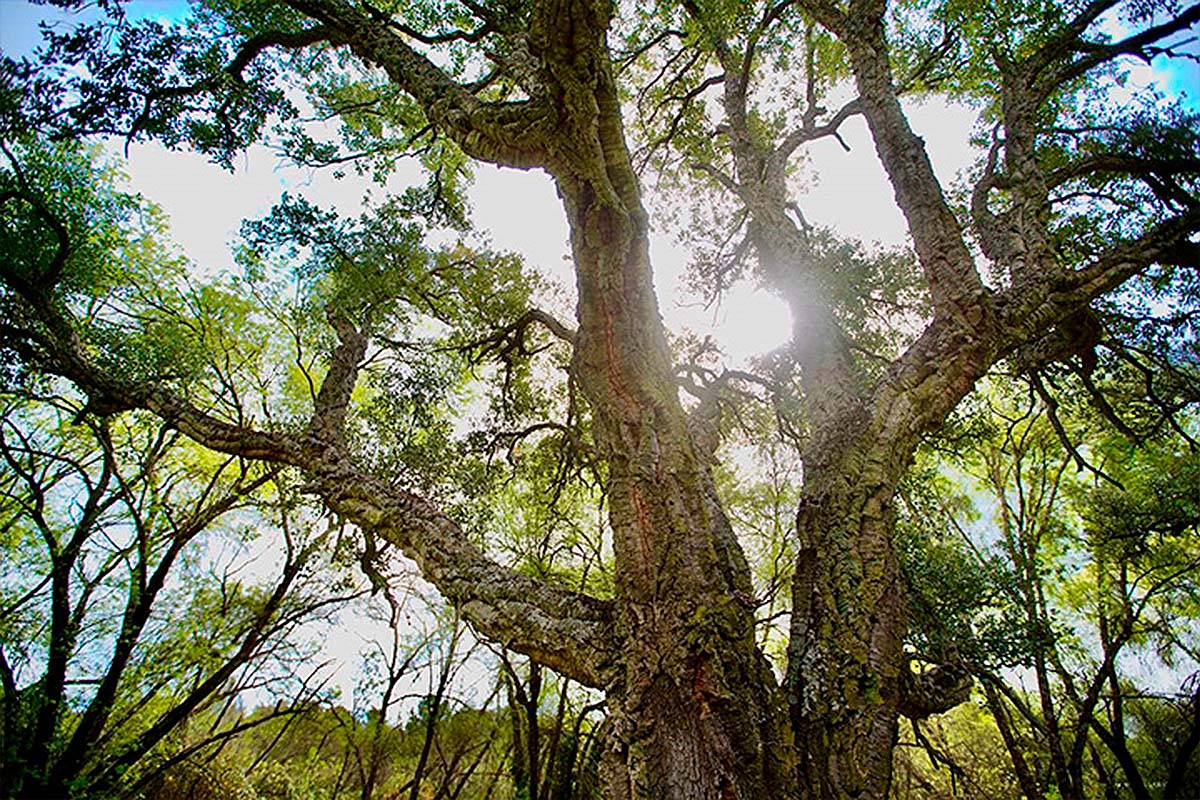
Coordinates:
694	710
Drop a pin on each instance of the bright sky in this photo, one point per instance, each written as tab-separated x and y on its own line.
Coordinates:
519	210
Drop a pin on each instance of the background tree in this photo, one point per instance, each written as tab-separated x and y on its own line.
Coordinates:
131	608
147	583
1072	600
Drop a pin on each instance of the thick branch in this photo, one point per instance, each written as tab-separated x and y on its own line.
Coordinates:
256	45
251	49
333	400
508	133
934	691
565	630
510	342
1165	243
1122	164
718	175
954	283
1070	34
809	133
938	370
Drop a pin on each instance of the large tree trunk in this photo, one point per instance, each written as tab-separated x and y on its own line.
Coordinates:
845	657
696	711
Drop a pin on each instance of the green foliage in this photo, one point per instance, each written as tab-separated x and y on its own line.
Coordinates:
877	294
139	595
119	531
65	220
98	77
1161	729
379	271
961	600
1045	578
70	232
958	754
323	753
1160	500
760	497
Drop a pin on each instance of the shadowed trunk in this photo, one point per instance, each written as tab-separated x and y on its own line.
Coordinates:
845	656
695	711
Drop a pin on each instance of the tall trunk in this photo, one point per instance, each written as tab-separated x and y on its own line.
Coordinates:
1039	630
845	656
696	713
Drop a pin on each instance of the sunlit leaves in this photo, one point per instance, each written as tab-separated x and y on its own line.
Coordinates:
70	234
1157	514
144	78
449	385
1073	562
963	601
426	306
379	269
877	296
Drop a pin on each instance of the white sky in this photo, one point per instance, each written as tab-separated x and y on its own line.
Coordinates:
519	211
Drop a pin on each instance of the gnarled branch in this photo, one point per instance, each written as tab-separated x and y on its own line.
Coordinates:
568	631
505	133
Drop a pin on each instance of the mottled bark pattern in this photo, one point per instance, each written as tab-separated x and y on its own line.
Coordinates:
695	710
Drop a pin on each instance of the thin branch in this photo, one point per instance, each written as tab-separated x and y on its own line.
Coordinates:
1051	403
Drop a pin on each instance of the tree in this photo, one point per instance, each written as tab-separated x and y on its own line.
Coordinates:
118	630
1080	590
138	595
551	759
1075	198
445	748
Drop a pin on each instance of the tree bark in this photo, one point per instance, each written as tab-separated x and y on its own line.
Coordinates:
695	712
